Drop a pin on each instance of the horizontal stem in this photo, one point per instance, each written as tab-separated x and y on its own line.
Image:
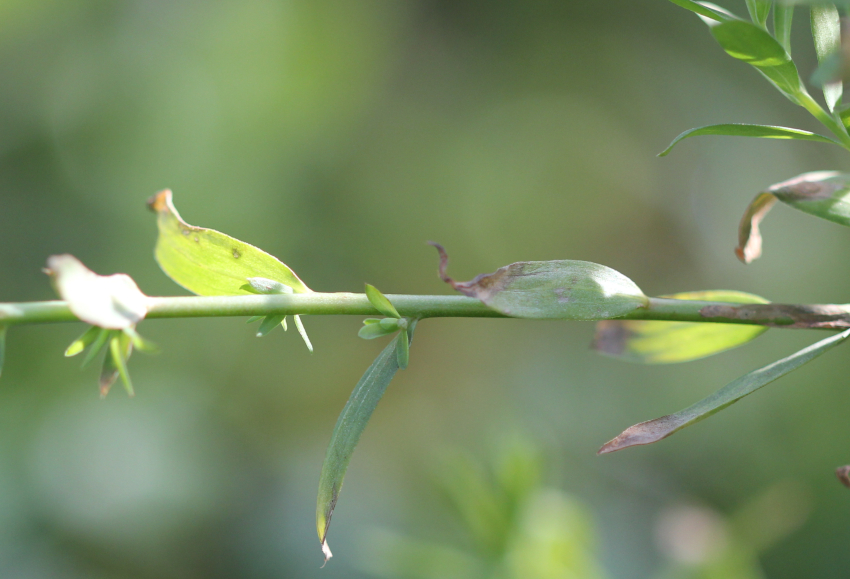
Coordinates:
422	306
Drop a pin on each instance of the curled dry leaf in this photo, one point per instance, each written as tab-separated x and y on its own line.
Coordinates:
824	194
562	289
113	302
843	474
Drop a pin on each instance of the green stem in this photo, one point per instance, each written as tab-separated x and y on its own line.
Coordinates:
420	306
835	127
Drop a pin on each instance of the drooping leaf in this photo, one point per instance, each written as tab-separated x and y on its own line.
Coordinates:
141	344
83	342
210	263
824	194
759	11
112	301
749	235
705	9
99	342
380	302
826	32
783	15
756	131
655	430
403	350
565	289
115	363
754	45
302	332
349	426
651	342
269	323
253	319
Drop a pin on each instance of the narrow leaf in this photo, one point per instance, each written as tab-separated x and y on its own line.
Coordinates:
704	9
113	301
380	302
756	131
349	426
826	32
402	350
300	327
120	347
755	46
749	236
372	331
83	341
783	14
3	330
269	323
253	319
566	289
655	430
141	344
651	342
210	263
98	345
759	11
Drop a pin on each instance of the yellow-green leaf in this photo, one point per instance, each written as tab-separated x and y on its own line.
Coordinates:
380	302
207	262
652	342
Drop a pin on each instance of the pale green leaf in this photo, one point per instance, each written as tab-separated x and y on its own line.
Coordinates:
300	327
112	302
253	319
783	15
115	362
380	302
565	289
268	286
98	345
403	350
349	426
84	341
209	263
754	45
269	323
826	32
744	130
372	331
141	344
652	342
705	9
759	11
655	430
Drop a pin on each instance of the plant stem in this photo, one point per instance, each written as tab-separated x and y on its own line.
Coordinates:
422	306
835	127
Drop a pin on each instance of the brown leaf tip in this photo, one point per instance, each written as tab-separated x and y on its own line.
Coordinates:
843	474
444	263
161	201
642	433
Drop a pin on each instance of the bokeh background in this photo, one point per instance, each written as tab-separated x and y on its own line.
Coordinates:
341	136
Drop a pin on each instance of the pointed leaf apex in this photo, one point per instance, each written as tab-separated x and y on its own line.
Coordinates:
380	302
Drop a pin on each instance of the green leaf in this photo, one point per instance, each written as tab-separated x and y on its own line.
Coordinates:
141	344
112	302
380	302
566	289
651	342
372	331
349	426
759	11
115	363
402	350
826	32
3	330
705	9
755	46
253	319
98	345
783	15
83	341
655	430
210	263
269	323
268	286
744	130
300	327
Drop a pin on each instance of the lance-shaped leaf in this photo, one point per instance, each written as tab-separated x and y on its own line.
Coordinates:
84	341
783	15
112	302
651	342
262	285
705	9
754	45
759	11
755	131
210	263
826	32
115	363
349	427
825	194
380	302
565	289
655	430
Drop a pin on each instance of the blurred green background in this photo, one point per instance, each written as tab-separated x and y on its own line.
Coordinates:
340	136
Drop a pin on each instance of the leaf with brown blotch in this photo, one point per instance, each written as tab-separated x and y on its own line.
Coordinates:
655	430
562	289
749	236
661	342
